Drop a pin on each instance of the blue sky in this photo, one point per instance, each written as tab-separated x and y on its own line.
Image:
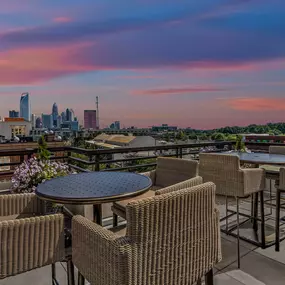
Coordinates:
200	64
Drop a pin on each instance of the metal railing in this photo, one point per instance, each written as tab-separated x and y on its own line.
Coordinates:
121	159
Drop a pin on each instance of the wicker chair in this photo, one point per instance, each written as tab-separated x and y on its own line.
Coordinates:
28	238
170	172
170	239
232	181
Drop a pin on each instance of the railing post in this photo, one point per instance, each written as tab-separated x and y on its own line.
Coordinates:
97	160
22	158
69	155
181	152
177	152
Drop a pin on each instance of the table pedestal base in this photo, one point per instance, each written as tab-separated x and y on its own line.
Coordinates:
97	214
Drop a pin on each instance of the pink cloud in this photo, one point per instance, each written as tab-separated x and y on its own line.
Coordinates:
34	65
257	104
173	91
139	76
62	20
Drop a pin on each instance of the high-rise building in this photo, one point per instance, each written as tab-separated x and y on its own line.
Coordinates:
112	126
25	107
74	126
47	121
13	114
68	115
54	114
34	121
72	115
117	125
59	121
39	123
90	119
63	116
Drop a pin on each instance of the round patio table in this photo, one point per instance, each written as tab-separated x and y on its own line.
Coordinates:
259	158
94	188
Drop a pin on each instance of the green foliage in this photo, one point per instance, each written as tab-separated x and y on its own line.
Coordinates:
218	137
181	136
43	153
231	137
240	146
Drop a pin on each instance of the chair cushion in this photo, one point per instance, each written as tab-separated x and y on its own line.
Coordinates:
120	230
16	217
271	171
122	204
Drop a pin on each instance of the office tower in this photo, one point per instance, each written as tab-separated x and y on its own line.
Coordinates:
112	126
39	124
68	115
90	119
117	125
25	107
63	116
47	121
74	126
13	114
72	115
34	121
59	121
54	114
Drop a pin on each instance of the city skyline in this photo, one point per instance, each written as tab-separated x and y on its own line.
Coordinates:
203	64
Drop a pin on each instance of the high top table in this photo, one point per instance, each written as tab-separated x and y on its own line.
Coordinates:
259	158
94	188
266	159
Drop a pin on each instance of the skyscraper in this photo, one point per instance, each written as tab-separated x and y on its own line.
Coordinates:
90	119
25	107
59	121
54	114
34	121
39	123
117	125
47	121
68	115
72	115
13	114
63	116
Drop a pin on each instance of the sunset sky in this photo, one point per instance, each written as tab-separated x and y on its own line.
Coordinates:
200	64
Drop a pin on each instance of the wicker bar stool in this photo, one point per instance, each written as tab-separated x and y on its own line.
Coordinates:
232	181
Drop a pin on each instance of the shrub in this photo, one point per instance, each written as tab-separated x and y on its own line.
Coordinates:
35	171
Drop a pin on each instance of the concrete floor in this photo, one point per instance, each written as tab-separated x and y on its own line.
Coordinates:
258	267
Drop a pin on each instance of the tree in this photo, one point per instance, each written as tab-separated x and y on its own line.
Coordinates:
43	153
218	137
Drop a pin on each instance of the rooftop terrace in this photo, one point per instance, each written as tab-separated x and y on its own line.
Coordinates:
258	266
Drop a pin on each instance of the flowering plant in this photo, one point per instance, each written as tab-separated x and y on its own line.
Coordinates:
35	171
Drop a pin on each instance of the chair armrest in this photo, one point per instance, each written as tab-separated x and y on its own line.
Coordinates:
151	174
30	243
100	255
254	180
181	185
13	204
